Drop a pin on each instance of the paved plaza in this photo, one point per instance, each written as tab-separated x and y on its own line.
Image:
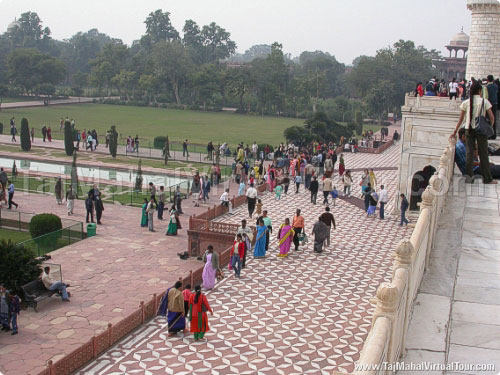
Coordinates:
125	264
306	314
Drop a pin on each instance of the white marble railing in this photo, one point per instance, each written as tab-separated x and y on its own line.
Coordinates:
386	341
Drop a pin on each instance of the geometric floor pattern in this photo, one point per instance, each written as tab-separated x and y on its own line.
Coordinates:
305	314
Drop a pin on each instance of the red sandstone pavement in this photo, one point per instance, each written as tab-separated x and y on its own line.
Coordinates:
109	275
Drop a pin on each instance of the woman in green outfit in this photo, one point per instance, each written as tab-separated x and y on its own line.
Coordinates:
174	223
144	217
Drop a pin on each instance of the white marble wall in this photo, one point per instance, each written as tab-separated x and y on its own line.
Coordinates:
484	44
426	127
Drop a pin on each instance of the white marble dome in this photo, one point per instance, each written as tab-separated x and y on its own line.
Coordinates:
460	40
476	2
13	25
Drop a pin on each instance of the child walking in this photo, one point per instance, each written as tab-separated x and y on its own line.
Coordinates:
258	209
278	190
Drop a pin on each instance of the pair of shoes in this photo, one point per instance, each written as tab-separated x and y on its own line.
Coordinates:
99	223
66	300
14	333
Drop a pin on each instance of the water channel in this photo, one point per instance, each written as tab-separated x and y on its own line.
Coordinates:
91	173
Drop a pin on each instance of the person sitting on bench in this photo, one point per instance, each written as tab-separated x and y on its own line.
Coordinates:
52	285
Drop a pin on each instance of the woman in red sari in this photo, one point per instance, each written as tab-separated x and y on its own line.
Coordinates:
198	307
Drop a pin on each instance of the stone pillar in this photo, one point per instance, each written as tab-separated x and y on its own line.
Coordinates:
484	44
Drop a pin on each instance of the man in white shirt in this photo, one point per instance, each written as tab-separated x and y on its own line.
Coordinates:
383	197
52	285
255	148
224	200
251	200
453	88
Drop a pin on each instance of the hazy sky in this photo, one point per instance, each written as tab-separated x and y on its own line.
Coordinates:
346	29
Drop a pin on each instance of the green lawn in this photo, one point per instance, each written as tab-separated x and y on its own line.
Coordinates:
198	127
20	99
14	235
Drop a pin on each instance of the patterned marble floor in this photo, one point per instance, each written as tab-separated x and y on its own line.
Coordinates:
306	314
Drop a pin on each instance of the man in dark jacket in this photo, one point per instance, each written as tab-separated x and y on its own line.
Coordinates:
404	208
313	188
89	206
99	207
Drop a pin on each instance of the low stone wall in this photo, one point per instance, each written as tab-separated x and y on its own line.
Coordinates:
394	301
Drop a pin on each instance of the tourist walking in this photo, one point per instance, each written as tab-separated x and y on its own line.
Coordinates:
198	307
4	309
178	200
99	208
285	238
313	188
241	188
172	306
49	134
341	165
11	195
144	214
260	243
13	129
211	260
267	222
70	200
365	179
373	179
383	198
471	110
185	151
327	188
367	192
298	181
151	214
251	199
44	133
89	206
236	255
277	192
152	191
309	170
327	218
347	181
404	208
58	191
298	228
320	232
247	237
14	310
174	223
161	202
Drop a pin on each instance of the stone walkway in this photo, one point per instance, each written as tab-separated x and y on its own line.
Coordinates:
306	314
457	311
109	275
39	103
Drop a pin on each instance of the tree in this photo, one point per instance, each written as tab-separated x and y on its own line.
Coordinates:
74	175
113	141
18	266
358	120
25	135
159	27
30	69
238	82
29	33
217	42
171	64
69	146
139	179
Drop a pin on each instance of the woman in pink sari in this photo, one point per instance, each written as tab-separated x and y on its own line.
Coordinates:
271	177
285	237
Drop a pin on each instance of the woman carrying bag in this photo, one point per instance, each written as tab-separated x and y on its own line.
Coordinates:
474	111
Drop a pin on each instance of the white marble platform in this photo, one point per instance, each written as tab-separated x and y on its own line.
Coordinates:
457	312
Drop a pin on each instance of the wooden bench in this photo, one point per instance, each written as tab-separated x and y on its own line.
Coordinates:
35	292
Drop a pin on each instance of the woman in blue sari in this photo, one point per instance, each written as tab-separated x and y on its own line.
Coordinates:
260	242
144	217
173	302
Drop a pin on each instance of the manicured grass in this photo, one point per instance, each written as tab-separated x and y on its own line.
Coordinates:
198	127
14	235
21	99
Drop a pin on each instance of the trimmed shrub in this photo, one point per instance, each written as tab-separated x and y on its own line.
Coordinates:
18	266
68	139
159	142
25	135
1	128
43	224
139	179
113	141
